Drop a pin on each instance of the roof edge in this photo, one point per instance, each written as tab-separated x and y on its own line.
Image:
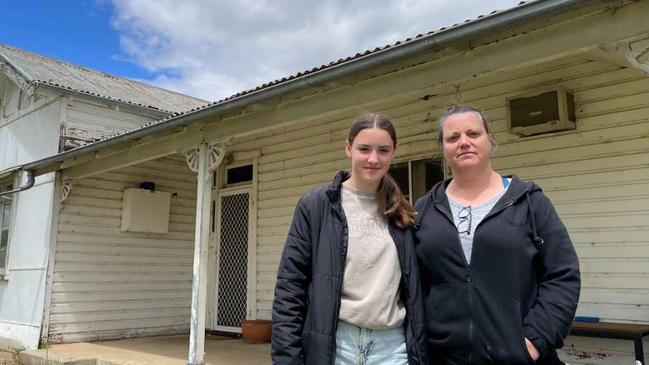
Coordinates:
17	75
92	71
11	55
68	90
496	22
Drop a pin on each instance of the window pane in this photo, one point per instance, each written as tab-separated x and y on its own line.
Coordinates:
425	174
239	174
5	223
399	172
5	216
5	219
4	237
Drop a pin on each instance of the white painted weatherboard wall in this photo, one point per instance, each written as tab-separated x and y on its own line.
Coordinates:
113	284
86	121
28	134
26	137
597	176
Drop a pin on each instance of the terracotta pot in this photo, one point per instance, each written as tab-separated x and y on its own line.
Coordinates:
256	330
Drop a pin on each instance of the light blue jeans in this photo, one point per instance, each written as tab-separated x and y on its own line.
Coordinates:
361	346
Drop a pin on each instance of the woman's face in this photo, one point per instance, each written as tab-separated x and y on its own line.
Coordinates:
371	153
466	144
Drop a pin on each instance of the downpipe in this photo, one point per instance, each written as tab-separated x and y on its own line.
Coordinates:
28	184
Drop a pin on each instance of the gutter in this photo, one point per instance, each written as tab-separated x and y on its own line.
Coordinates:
28	185
9	172
500	21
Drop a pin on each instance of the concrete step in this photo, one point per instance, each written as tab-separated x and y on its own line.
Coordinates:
159	350
45	357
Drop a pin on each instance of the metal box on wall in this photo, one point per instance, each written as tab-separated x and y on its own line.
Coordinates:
145	211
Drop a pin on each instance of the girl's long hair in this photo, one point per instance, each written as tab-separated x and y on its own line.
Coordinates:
392	204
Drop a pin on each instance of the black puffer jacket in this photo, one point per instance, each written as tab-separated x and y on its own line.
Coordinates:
523	280
309	282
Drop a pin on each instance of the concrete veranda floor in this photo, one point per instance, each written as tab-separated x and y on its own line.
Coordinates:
162	350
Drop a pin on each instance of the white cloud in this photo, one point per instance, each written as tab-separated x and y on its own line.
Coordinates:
215	48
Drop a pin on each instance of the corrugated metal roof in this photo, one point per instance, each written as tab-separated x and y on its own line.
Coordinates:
364	53
339	62
40	70
324	67
522	13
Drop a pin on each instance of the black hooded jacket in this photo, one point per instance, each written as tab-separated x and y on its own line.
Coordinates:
309	281
523	280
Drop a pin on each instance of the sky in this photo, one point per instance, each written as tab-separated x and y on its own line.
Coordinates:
212	49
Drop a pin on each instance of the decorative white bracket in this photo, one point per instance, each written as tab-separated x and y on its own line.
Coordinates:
637	54
215	154
66	188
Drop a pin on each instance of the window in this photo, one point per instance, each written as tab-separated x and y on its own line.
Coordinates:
239	174
5	223
416	178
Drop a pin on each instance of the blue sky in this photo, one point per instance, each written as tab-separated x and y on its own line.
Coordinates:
79	32
214	48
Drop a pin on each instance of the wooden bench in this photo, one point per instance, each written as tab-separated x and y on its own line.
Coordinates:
624	331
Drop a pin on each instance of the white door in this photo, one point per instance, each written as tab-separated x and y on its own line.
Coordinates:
232	251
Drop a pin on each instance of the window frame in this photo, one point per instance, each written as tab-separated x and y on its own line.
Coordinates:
409	162
221	173
240	183
7	185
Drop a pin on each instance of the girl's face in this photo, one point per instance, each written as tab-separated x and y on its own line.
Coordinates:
371	153
465	143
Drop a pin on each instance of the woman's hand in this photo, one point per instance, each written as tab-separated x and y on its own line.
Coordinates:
531	349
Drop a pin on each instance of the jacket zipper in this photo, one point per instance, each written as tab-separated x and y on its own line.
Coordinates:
470	281
468	278
343	257
467	265
404	284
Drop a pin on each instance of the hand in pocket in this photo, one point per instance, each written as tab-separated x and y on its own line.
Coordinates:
531	349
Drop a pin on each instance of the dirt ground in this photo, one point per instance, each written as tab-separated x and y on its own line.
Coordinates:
5	358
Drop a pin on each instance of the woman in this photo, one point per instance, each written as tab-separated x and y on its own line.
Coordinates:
347	286
500	274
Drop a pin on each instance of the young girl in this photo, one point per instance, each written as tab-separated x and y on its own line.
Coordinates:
347	286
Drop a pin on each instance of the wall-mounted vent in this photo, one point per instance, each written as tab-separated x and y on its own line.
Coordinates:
541	112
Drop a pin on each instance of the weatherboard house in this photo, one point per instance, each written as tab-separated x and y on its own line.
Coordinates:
178	225
48	107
